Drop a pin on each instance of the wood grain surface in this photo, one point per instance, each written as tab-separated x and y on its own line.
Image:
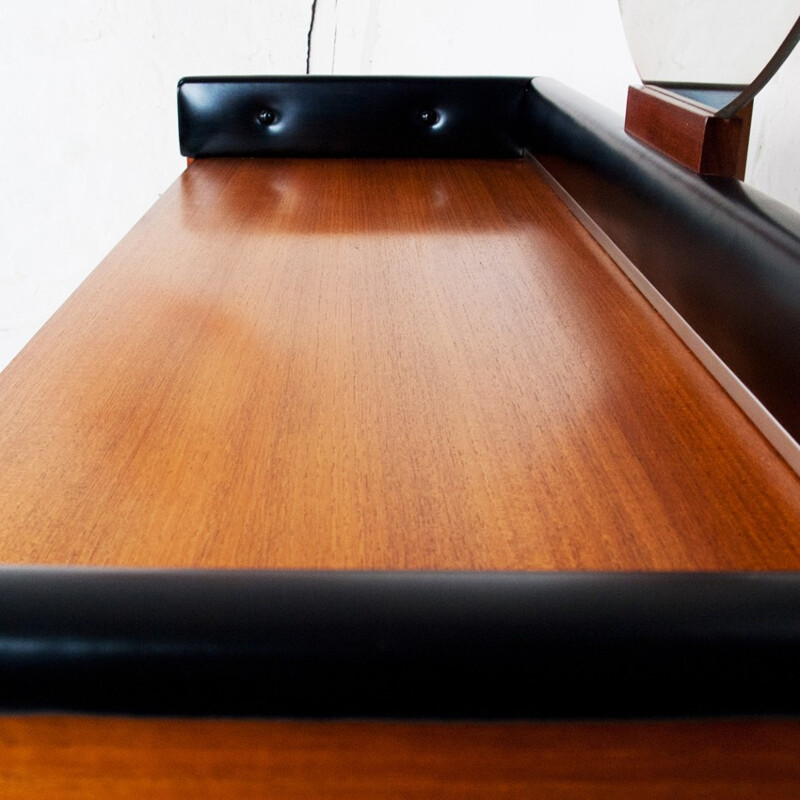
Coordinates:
375	364
62	758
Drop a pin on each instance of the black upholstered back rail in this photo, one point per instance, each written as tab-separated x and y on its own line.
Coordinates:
340	116
399	645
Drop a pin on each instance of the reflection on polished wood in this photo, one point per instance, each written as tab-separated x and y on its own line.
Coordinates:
120	758
375	364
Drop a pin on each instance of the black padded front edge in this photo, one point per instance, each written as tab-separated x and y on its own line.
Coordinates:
724	255
339	116
430	645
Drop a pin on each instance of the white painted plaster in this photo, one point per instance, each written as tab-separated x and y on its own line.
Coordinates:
89	135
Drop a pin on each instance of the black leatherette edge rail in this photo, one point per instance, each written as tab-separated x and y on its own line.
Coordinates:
724	255
399	644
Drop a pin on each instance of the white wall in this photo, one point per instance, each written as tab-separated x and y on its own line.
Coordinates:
89	135
774	157
89	138
581	42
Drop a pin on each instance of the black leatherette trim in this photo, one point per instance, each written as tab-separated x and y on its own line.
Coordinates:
724	255
341	116
399	644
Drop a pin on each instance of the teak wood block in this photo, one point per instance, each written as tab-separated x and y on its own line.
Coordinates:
701	141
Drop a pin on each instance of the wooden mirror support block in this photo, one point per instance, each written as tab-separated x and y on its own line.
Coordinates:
688	133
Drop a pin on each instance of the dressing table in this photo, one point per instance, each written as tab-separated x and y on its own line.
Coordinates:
429	436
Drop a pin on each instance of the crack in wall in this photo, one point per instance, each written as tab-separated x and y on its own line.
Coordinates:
335	33
310	32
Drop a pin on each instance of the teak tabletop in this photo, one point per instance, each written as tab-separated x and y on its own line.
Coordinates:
338	364
379	365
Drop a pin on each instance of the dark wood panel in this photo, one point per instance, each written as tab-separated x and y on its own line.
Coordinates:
375	364
64	758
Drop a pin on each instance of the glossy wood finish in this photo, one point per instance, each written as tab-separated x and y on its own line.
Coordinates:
121	758
375	364
705	143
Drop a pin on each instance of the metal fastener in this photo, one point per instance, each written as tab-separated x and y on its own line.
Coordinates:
428	116
266	116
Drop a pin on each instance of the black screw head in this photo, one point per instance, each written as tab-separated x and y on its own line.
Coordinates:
266	116
428	116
